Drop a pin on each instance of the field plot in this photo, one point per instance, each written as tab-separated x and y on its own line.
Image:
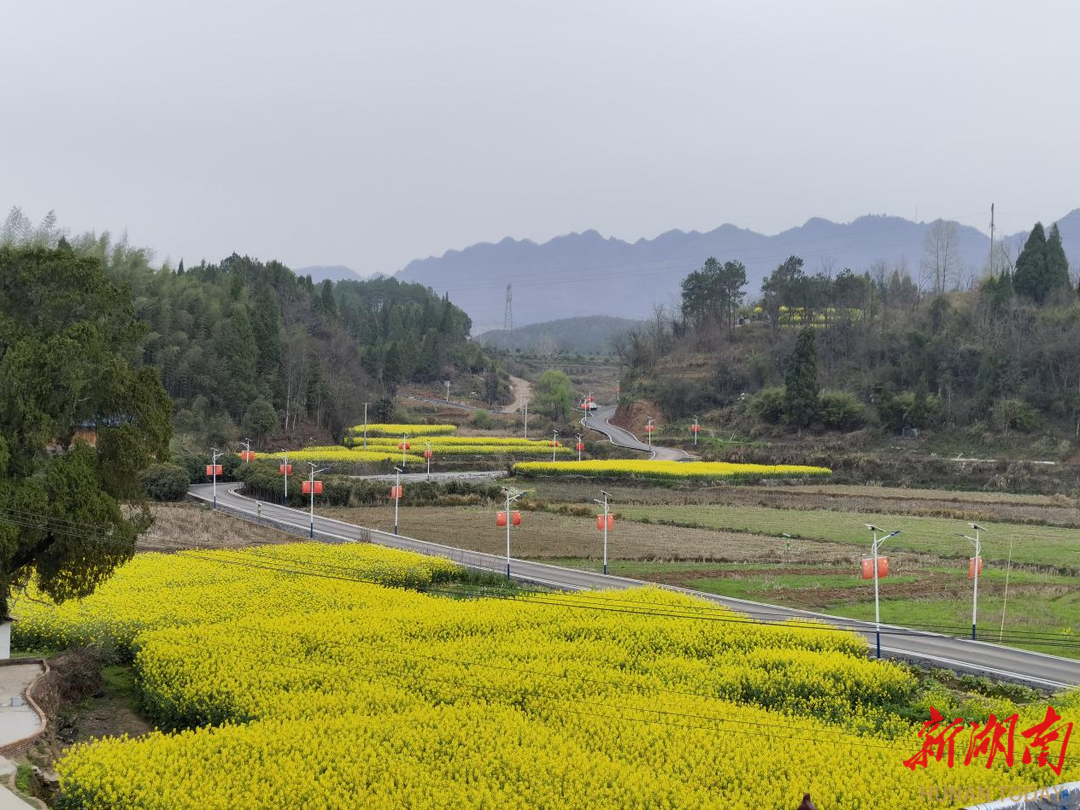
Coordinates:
291	677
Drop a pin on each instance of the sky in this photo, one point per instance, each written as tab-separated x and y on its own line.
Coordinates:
369	134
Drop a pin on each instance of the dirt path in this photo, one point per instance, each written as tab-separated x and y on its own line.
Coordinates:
522	391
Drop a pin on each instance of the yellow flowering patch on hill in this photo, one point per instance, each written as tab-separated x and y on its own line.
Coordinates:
398	430
667	469
332	455
299	686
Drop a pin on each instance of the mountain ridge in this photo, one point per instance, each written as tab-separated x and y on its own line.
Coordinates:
584	272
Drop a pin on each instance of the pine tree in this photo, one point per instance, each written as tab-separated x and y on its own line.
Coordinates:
1057	265
266	327
1030	276
802	389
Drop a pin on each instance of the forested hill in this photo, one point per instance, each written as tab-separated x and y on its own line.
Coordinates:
591	334
249	346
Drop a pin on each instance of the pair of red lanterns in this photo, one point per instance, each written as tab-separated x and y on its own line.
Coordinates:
404	446
396	492
974	567
500	519
247	455
307	488
213	469
285	469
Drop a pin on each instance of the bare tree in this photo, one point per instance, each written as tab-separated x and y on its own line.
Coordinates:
941	257
547	348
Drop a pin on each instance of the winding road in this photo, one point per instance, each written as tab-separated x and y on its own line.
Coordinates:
1033	668
600	421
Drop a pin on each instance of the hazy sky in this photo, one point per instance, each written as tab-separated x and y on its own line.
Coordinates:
369	134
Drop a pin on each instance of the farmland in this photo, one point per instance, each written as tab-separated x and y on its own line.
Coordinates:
500	702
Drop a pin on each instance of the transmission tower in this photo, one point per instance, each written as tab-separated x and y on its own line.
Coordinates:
508	313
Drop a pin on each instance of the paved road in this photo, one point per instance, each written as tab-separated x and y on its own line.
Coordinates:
961	654
598	420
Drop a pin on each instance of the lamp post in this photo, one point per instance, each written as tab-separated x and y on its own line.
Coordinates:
649	430
447	384
975	564
696	429
578	446
311	490
554	443
285	468
511	496
526	417
877	543
397	498
404	449
213	463
428	454
604	503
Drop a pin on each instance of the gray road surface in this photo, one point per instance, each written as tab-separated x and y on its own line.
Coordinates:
965	655
598	421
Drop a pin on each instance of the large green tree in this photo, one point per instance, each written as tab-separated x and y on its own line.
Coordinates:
69	343
1057	265
1030	277
554	395
802	390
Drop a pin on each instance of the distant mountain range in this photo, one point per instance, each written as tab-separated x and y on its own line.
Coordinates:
584	335
586	273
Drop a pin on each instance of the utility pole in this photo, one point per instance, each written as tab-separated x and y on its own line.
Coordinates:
604	503
976	563
554	443
508	313
874	555
397	498
511	496
991	240
365	425
447	384
213	464
526	417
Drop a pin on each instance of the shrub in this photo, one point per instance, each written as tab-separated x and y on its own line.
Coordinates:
1014	414
840	410
768	405
482	420
165	482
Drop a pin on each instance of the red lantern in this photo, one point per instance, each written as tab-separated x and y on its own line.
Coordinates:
554	444
428	454
695	428
650	428
500	519
306	489
974	566
404	446
396	492
868	567
285	469
600	522
579	446
517	518
247	455
213	469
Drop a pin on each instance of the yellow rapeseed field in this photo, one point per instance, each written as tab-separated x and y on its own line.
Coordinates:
298	682
398	430
634	468
341	455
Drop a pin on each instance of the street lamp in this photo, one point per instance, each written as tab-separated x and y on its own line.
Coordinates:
285	470
554	443
214	468
604	503
579	446
312	489
649	430
511	496
695	429
397	497
976	564
874	555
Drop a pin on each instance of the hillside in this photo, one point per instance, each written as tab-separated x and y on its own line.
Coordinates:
581	273
586	335
320	273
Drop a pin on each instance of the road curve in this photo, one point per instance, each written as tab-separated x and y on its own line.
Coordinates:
600	421
1036	669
